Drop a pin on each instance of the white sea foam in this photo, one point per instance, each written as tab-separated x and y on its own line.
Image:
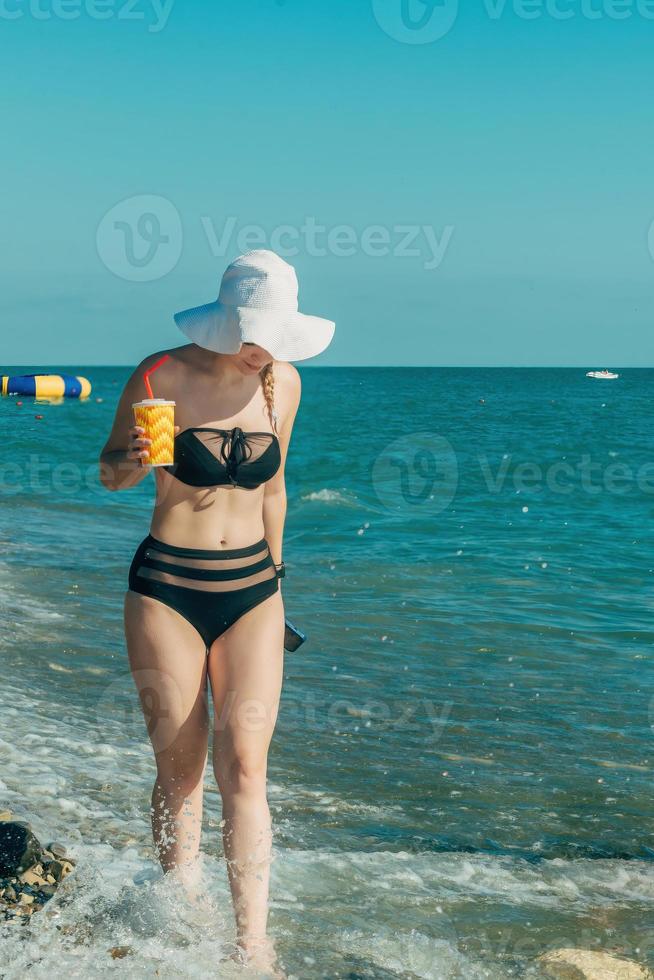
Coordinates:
114	898
327	496
80	779
18	610
307	797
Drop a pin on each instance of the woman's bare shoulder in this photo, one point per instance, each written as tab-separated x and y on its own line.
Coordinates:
170	372
176	361
287	375
176	355
288	390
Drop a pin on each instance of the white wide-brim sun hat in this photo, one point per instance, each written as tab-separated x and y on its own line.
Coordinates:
258	302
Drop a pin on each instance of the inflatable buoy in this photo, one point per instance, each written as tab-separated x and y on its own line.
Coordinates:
46	385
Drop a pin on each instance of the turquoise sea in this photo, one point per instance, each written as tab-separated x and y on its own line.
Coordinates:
461	774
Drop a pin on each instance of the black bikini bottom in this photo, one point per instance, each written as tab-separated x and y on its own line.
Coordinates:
211	589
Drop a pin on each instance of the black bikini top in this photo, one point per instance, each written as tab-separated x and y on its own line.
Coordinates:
220	457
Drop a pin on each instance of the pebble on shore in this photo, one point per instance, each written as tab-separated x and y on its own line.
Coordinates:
586	964
29	873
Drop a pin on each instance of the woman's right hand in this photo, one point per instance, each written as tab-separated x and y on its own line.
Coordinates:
137	445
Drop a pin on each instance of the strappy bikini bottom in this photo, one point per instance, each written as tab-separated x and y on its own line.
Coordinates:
211	589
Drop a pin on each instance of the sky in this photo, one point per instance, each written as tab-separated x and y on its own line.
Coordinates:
455	184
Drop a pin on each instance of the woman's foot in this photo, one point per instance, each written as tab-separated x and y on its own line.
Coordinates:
188	877
259	954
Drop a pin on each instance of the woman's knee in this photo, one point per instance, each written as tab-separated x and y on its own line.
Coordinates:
181	772
240	772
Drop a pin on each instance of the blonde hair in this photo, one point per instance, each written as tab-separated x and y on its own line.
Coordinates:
268	384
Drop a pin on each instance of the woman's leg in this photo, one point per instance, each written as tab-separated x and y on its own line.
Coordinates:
167	657
246	669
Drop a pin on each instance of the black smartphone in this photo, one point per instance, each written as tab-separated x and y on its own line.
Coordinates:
293	637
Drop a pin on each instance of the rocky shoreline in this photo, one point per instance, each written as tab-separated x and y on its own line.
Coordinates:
30	872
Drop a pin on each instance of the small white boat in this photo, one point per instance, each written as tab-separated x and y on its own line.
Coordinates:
602	374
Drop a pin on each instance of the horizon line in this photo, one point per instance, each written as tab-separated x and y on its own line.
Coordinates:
395	367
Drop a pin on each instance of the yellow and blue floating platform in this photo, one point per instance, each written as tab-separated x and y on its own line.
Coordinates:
46	385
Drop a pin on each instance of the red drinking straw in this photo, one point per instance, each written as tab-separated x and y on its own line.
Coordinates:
146	376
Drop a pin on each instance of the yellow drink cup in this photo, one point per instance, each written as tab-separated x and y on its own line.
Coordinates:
157	417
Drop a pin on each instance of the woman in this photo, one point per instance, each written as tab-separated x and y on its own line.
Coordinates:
204	599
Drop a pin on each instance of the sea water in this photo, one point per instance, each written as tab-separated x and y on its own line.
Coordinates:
461	774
